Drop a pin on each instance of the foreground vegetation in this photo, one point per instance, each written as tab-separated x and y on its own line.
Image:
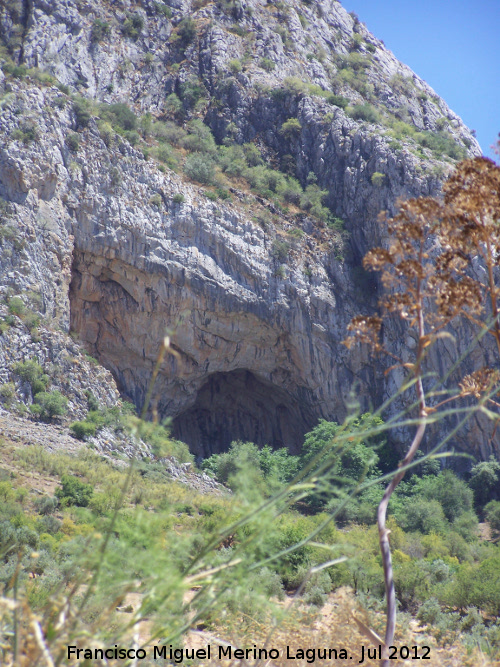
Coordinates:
95	535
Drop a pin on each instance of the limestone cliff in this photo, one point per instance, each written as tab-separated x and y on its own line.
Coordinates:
256	283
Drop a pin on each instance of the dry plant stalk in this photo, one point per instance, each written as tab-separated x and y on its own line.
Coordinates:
440	264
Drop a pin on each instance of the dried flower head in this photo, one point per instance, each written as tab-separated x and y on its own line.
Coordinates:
480	382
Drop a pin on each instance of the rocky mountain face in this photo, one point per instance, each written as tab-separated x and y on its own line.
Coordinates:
213	170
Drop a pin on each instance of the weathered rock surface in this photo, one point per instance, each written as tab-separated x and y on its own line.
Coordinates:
259	353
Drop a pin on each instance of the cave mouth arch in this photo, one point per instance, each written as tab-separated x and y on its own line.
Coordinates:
238	405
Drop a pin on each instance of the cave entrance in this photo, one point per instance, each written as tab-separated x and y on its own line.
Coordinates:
240	406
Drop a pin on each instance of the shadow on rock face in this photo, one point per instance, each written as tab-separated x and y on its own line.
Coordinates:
240	406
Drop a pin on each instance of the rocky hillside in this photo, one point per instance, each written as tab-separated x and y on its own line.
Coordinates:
214	170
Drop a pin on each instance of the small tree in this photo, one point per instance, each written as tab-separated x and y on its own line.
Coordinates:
485	478
186	30
200	167
291	128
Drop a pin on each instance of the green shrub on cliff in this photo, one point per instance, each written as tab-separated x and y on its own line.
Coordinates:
100	30
49	404
132	26
30	371
83	429
200	168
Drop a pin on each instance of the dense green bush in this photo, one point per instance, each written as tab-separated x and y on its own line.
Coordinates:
452	493
492	515
74	492
264	180
83	429
356	459
232	160
168	131
46	505
16	71
173	106
364	112
132	26
158	438
350	463
17	306
73	142
26	132
192	91
377	179
7	391
442	143
235	66
186	30
199	138
245	458
476	584
280	250
355	61
467	526
83	112
425	516
166	154
291	128
49	404
485	480
337	100
241	456
200	168
267	64
30	371
312	200
119	115
163	9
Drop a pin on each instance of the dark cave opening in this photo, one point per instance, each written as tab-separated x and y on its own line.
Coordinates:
240	406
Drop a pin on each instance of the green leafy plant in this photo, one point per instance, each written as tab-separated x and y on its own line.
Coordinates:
280	249
17	306
235	66
186	31
83	112
30	371
199	138
492	515
74	492
200	168
156	201
83	429
132	26
363	112
48	405
267	64
163	9
73	142
291	128
377	179
100	30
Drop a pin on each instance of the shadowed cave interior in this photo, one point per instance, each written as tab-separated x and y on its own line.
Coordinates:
240	406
